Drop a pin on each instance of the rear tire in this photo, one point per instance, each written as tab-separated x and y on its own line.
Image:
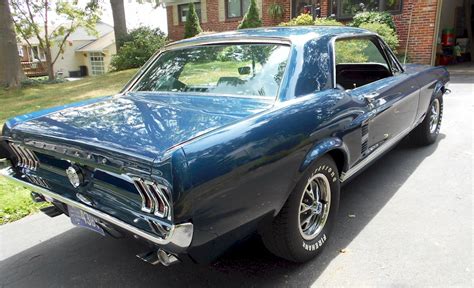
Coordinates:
301	229
427	132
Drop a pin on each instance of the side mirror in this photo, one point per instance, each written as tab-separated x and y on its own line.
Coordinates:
245	70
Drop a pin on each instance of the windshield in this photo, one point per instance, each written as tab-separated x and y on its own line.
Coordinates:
230	69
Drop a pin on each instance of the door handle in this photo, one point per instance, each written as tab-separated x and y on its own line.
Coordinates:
371	97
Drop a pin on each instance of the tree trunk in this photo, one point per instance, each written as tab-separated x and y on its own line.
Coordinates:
47	44
120	24
49	63
11	73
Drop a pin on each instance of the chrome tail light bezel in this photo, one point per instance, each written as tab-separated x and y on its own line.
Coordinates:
155	198
25	157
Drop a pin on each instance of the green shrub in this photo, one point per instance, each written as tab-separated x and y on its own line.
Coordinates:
251	18
307	20
139	46
327	22
27	82
373	17
276	11
192	26
301	20
388	34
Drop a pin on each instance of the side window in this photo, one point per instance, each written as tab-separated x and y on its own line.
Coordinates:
359	61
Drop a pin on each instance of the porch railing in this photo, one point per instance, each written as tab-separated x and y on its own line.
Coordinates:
34	69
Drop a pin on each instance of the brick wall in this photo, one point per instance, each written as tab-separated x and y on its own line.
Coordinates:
422	32
324	8
214	20
421	36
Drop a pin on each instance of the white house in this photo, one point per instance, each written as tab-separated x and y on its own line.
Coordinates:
82	54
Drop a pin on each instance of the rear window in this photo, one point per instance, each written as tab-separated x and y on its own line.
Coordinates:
231	69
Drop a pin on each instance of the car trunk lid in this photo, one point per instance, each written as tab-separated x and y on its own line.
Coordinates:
144	125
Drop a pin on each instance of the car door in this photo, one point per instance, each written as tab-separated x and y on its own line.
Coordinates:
371	75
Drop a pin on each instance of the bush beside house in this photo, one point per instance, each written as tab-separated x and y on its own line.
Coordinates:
138	47
388	34
373	17
379	22
307	20
192	26
327	22
375	21
251	18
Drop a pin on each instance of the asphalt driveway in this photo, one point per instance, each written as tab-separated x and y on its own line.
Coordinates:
405	221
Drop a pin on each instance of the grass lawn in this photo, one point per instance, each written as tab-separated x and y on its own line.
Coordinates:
15	201
17	102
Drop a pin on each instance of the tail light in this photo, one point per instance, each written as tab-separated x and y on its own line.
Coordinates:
25	157
155	197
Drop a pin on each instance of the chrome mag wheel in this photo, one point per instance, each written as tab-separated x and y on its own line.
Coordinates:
314	206
434	115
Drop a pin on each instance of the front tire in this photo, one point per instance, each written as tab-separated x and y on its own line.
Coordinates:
427	132
301	229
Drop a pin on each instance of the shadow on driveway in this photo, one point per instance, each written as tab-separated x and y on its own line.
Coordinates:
80	258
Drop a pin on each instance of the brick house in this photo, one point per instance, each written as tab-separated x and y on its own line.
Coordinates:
427	17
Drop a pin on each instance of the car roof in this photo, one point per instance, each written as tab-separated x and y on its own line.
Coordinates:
288	33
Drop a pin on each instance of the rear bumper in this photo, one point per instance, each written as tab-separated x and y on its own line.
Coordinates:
177	240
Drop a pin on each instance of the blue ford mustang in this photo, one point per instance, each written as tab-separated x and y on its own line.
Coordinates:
223	135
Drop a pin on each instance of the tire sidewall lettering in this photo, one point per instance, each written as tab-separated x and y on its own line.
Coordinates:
319	241
330	172
316	244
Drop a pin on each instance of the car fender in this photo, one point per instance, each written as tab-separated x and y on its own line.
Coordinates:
319	149
323	147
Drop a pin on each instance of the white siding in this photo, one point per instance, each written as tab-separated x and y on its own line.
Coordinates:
69	60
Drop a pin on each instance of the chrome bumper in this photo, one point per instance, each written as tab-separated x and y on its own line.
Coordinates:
178	239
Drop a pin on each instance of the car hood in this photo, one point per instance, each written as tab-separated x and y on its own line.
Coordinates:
147	124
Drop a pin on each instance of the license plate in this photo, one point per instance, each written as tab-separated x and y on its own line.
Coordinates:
85	220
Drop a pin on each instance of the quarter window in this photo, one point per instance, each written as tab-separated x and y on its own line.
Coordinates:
346	9
358	51
359	61
237	8
184	9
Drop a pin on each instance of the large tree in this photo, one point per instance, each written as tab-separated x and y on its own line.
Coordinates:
31	19
120	23
11	73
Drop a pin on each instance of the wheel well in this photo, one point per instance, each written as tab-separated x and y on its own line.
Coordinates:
339	158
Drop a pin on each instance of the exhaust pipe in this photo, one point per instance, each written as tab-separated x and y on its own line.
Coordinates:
159	256
37	198
51	211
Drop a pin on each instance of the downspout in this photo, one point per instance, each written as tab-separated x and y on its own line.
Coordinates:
409	32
